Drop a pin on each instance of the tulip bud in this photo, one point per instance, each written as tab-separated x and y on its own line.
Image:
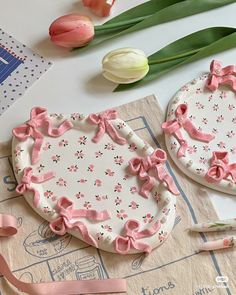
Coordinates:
72	30
99	7
125	65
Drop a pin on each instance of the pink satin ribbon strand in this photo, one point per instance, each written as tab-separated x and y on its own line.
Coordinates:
181	120
8	225
141	166
39	120
221	76
69	219
132	235
28	178
220	168
105	126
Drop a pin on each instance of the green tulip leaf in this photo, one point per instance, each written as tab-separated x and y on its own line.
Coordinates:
149	14
188	49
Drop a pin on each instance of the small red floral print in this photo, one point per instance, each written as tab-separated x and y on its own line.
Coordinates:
75	116
18	151
170	113
229	242
109	172
121	214
184	88
106	227
48	194
157	196
231	107
148	218
133	190
79	154
82	180
56	158
173	146
98	182
47	146
118	188
162	236
63	143
87	205
90	168
61	182
98	198
82	140
126	177
215	131
105	197
221	145
54	198
220	119
223	94
230	134
233	150
210	97
226	242
206	148
133	205
109	147
205	121
191	117
200	170
215	107
99	236
199	106
121	125
73	168
166	211
46	209
202	160
40	168
17	169
98	154
132	147
192	149
118	201
198	90
79	195
118	160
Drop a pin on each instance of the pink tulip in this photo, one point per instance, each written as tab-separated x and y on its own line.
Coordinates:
99	7
72	30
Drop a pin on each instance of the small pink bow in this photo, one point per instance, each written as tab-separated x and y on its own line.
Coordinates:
39	119
102	120
68	219
221	75
172	127
29	178
220	168
141	166
123	244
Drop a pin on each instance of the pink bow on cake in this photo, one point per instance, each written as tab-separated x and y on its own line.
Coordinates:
220	76
102	120
141	166
39	119
220	168
69	219
173	127
28	178
123	244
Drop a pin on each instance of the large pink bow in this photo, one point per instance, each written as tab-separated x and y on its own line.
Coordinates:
102	120
221	75
141	166
29	178
123	244
39	119
69	216
220	168
172	127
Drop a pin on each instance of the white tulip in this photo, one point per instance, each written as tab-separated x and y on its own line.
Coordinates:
125	65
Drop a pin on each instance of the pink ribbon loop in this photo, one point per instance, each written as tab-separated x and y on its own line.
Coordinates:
68	219
39	119
221	76
173	127
28	178
220	168
64	287
8	225
104	125
141	166
132	235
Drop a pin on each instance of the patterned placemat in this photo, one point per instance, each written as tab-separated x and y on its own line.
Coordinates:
174	268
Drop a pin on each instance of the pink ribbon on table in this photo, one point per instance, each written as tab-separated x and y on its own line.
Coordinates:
104	125
173	127
220	76
8	225
28	178
39	119
220	168
132	235
141	166
68	219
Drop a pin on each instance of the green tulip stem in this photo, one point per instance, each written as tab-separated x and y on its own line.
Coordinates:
173	57
120	24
